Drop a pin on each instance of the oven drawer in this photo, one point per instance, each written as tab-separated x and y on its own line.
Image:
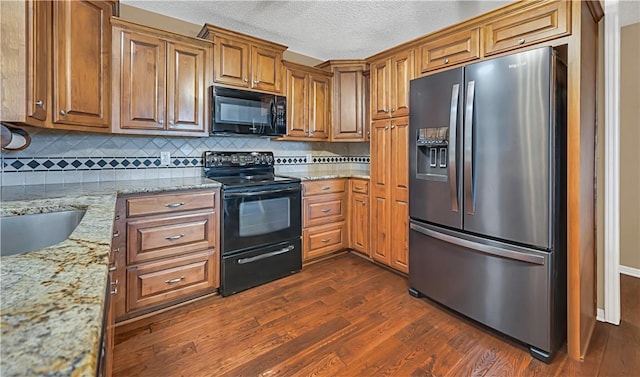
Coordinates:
328	186
324	209
156	204
159	282
359	186
149	239
325	239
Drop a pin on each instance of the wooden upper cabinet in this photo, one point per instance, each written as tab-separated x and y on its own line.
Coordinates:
266	68
458	47
160	81
348	100
39	47
81	65
231	62
319	98
245	61
390	85
308	101
540	22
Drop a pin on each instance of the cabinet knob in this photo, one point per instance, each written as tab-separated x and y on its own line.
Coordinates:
116	234
386	127
63	113
386	110
521	41
114	267
245	79
392	127
114	292
446	61
161	122
39	103
359	132
256	81
171	123
393	109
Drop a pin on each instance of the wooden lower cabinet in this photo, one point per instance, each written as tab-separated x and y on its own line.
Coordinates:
167	250
324	239
359	216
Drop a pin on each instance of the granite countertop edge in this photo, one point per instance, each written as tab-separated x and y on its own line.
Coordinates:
317	176
53	299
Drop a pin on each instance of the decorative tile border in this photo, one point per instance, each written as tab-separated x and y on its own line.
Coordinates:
44	164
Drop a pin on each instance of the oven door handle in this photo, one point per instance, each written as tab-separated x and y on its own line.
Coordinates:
265	255
256	193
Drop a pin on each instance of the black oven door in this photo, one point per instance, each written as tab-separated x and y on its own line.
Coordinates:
261	215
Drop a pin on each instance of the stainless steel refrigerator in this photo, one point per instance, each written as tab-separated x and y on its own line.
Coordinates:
487	171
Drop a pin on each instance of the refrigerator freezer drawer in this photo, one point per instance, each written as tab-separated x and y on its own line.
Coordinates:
508	290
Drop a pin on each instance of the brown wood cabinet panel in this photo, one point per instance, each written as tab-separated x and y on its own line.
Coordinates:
324	209
169	203
359	219
81	65
324	186
359	186
531	25
319	100
39	47
401	74
439	52
149	239
399	251
348	100
143	62
323	240
380	232
297	103
380	91
380	156
158	282
400	158
266	67
231	62
186	88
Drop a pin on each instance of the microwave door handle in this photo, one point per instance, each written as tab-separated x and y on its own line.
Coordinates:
273	114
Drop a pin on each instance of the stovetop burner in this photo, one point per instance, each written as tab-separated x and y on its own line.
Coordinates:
242	169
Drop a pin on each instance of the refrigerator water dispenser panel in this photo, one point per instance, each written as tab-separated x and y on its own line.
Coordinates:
432	153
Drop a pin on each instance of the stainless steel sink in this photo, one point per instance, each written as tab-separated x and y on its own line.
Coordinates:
19	234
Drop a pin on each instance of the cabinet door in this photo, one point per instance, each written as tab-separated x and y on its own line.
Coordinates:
39	23
297	103
399	225
186	88
81	63
348	104
400	236
452	49
380	190
380	90
401	74
142	104
266	68
319	98
359	223
231	62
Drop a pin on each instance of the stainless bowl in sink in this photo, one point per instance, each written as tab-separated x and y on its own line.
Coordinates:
19	234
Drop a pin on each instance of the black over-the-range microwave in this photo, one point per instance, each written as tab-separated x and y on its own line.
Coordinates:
235	111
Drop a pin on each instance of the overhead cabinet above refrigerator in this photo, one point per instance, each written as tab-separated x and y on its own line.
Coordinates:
486	195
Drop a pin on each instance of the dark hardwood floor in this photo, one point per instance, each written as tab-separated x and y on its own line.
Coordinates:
348	317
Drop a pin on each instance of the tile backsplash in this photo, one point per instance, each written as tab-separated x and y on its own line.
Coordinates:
67	156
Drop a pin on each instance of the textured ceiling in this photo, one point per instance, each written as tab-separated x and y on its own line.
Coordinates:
325	29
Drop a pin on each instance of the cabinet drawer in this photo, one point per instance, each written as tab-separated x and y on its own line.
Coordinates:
154	283
530	25
328	186
158	238
359	186
324	209
156	204
449	50
324	239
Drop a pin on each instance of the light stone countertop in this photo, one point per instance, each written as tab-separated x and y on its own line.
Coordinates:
52	300
318	175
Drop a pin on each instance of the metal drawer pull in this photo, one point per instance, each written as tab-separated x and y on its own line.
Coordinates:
521	41
266	255
116	250
326	210
325	240
115	282
446	61
174	205
115	291
173	238
114	267
116	234
325	188
359	188
39	103
172	281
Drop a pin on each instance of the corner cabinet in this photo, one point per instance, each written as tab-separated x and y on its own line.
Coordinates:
308	103
390	192
244	61
160	81
348	100
66	81
167	250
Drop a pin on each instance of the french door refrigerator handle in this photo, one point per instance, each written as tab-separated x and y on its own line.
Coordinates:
453	129
487	249
470	199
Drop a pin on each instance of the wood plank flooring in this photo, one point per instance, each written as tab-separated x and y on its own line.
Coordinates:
348	317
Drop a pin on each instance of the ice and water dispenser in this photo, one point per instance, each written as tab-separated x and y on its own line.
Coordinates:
432	153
